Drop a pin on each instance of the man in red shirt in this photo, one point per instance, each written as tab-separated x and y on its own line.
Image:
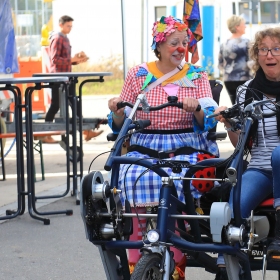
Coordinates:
61	61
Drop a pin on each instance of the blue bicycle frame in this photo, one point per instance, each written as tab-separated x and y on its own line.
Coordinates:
167	213
164	211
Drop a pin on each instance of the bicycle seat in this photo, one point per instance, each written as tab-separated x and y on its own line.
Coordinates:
267	202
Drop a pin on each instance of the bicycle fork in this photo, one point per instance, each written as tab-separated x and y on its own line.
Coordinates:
166	265
163	223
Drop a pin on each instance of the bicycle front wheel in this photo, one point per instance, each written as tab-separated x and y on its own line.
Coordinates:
148	268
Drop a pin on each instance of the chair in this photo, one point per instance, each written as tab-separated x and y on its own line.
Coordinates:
216	88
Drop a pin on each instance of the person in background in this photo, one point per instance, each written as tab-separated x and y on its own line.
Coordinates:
171	128
234	57
61	61
264	141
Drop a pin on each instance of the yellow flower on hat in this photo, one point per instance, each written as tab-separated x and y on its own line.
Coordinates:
161	27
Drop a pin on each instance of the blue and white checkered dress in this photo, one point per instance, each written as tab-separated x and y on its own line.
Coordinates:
146	192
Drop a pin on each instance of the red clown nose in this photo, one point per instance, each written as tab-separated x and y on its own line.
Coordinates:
180	50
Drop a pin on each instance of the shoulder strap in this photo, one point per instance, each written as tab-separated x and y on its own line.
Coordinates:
165	77
249	94
253	133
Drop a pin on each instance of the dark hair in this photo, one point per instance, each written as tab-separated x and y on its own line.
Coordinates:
157	53
64	19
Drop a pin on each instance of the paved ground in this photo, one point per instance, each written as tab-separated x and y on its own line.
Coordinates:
55	158
31	250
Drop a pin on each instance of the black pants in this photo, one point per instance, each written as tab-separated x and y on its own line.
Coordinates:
55	103
231	87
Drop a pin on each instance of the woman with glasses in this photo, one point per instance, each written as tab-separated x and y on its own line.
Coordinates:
262	177
234	57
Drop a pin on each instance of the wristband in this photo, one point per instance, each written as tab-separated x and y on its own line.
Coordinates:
117	117
229	128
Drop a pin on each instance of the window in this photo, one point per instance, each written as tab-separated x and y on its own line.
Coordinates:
269	11
159	12
28	17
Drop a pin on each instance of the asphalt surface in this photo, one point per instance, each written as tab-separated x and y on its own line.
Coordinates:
30	250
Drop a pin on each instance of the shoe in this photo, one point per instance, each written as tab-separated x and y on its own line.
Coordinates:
46	140
273	250
179	272
131	267
64	147
221	274
89	134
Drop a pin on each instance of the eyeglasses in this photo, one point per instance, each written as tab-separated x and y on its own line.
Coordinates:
264	51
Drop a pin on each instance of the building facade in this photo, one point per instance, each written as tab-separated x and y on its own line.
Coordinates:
103	29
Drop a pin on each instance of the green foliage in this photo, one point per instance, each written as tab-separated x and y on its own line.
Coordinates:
112	84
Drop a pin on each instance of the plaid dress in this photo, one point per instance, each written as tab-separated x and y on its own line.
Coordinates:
146	192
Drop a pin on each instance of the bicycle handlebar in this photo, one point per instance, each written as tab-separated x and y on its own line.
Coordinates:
123	104
252	109
172	101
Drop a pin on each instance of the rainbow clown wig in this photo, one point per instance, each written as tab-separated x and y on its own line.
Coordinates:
166	26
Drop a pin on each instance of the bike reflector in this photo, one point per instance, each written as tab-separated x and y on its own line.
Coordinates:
209	172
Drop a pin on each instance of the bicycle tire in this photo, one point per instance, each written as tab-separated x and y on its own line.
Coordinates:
147	268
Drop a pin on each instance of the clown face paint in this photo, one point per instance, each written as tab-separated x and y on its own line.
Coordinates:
181	50
171	50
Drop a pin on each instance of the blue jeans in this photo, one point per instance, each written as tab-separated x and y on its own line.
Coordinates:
258	184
